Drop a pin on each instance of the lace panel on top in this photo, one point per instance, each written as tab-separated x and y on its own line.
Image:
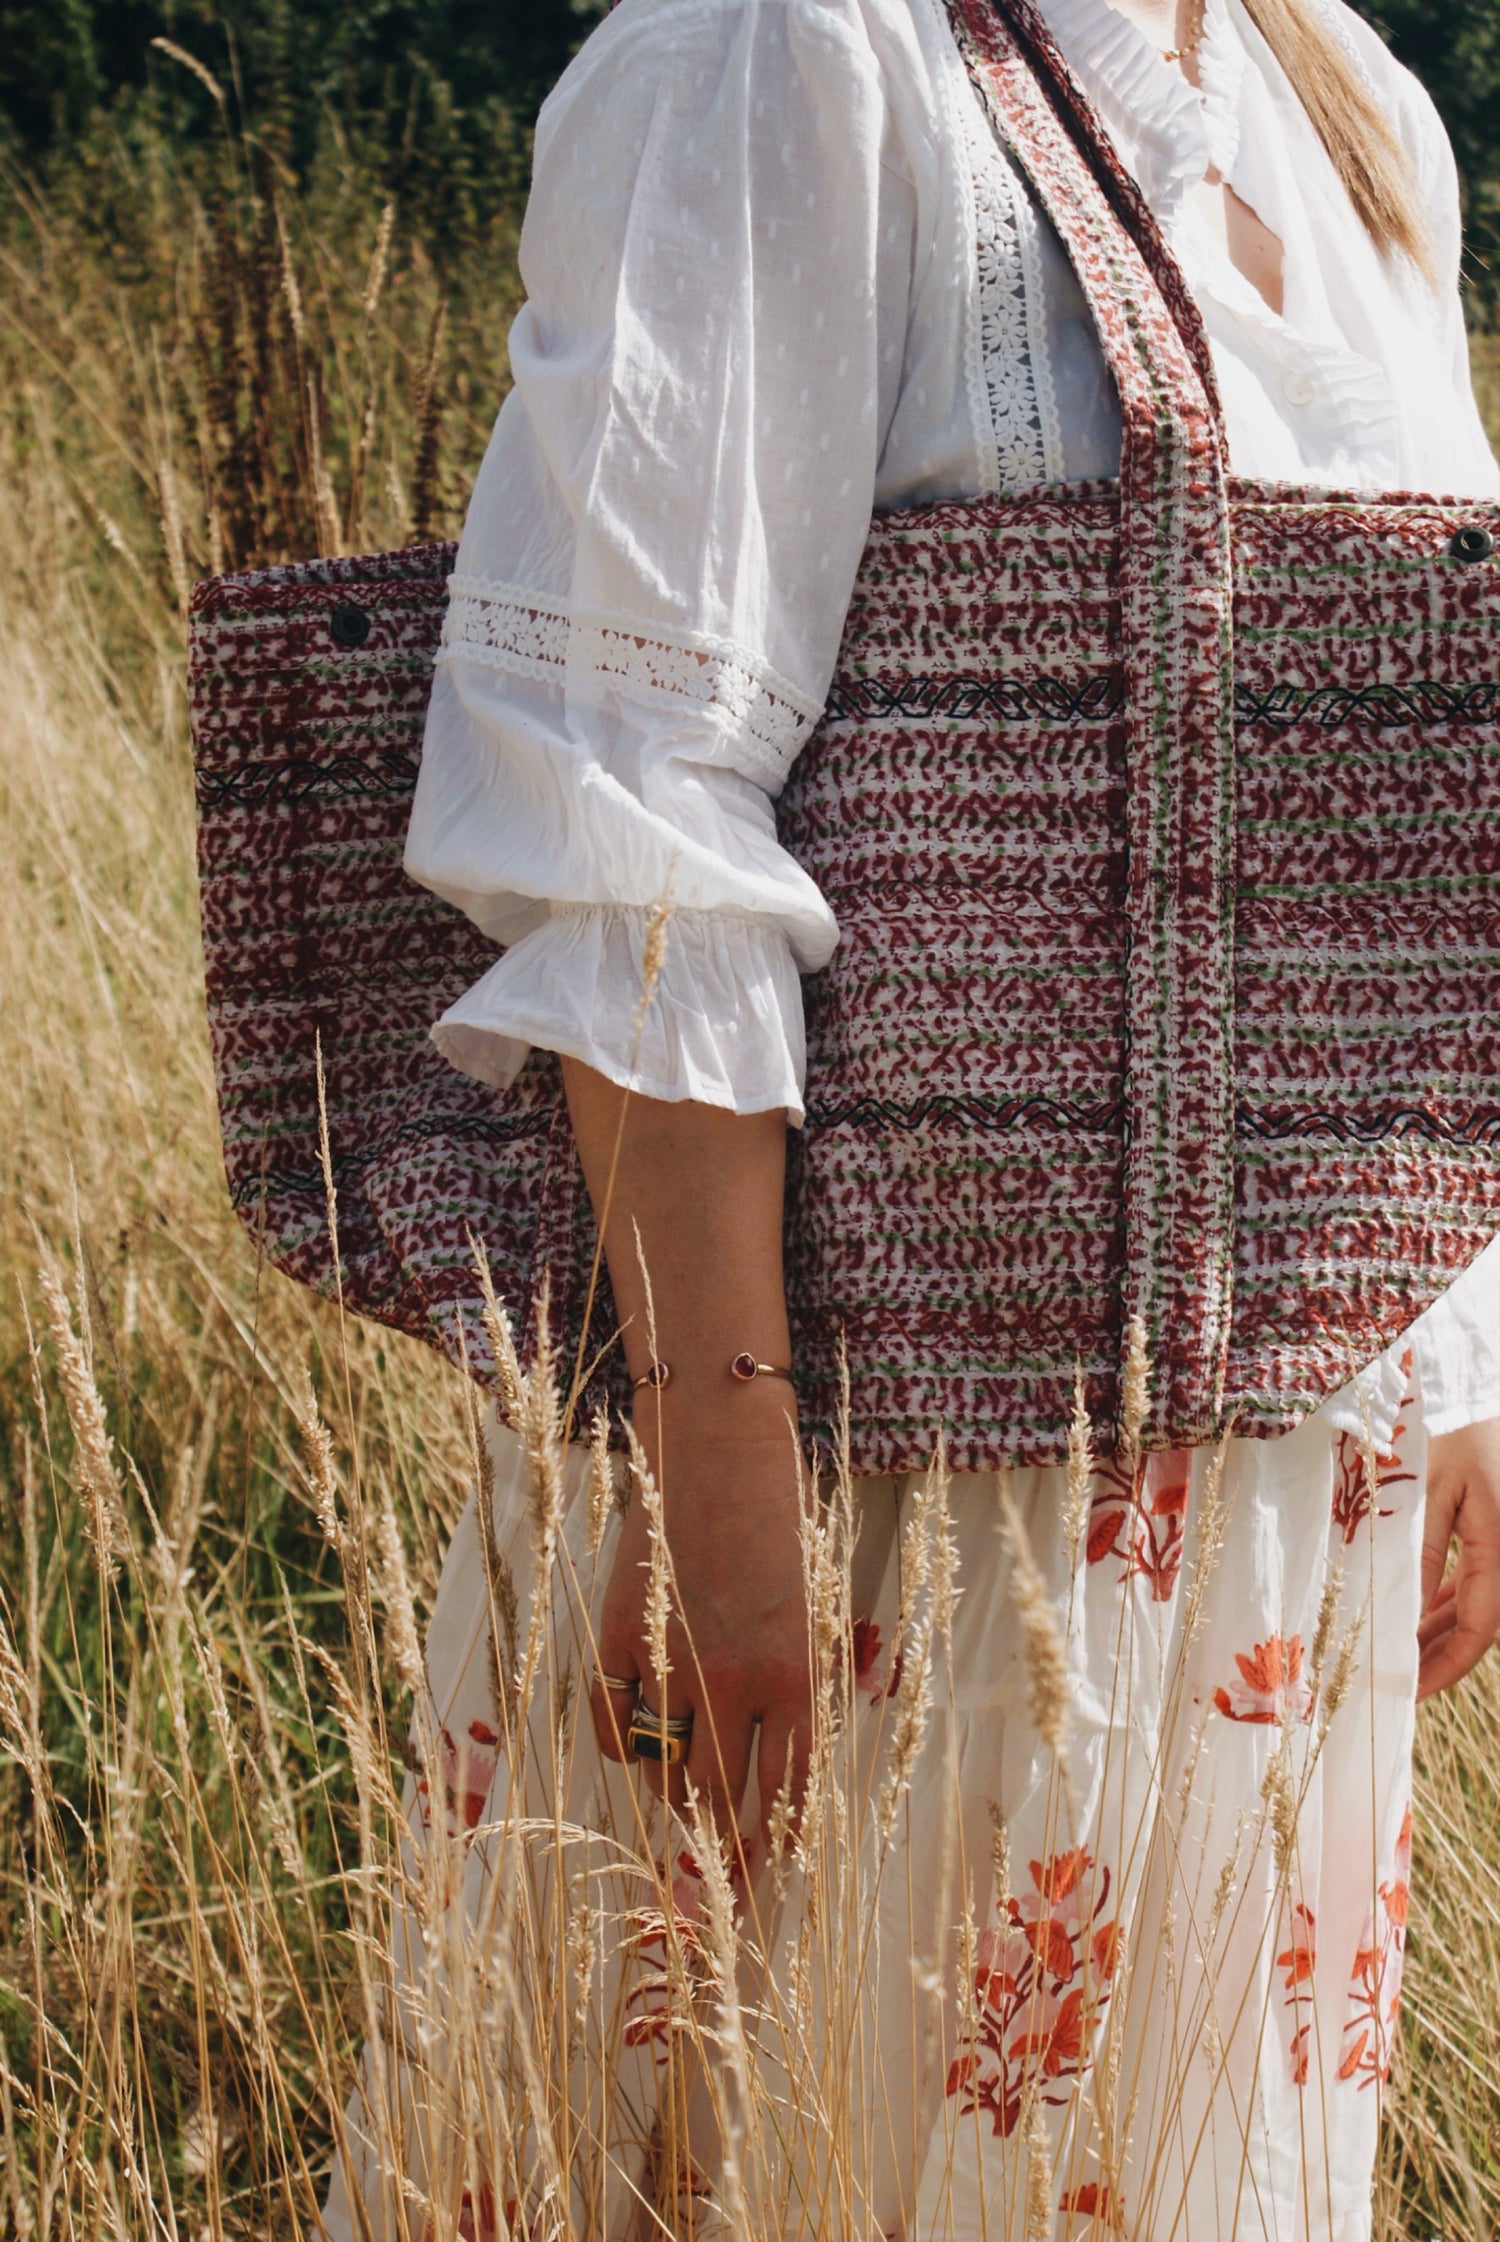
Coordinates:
1011	328
530	635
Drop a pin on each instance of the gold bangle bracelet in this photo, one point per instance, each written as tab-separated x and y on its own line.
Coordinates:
744	1367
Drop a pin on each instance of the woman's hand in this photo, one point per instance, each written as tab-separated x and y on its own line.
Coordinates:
737	1640
1460	1610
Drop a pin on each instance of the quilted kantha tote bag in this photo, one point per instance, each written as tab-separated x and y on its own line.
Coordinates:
1162	822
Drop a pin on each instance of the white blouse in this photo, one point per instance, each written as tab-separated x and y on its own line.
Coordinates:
780	273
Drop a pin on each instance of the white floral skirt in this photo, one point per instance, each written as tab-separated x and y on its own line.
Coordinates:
1108	1941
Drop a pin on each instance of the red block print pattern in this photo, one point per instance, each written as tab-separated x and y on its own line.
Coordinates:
1093	2201
468	1771
1138	1516
873	1679
1162	821
1040	1989
656	2017
1375	1988
478	2218
1299	1960
1359	1478
1269	1687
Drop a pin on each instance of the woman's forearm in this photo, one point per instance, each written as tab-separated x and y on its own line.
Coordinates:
692	1196
702	1190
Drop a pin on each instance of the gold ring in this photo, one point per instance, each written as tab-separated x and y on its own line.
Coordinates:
663	1740
614	1681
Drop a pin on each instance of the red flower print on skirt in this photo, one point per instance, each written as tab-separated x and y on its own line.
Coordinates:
476	2219
1094	2200
1299	1960
656	2000
468	1771
1041	1985
869	1678
1139	1517
1269	1688
1375	1984
1360	1479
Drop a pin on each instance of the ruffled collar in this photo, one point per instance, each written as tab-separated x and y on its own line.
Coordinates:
1168	133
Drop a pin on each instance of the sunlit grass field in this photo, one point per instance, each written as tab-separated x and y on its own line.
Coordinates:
190	1671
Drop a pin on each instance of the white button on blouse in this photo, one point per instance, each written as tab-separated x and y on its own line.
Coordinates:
781	274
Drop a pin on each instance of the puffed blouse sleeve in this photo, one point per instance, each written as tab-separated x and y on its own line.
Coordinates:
663	537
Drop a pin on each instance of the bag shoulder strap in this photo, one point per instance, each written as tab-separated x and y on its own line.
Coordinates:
1176	624
1091	143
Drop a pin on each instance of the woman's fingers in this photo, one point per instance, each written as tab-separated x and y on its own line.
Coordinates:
1437	1534
718	1761
1467	1623
612	1707
1460	1612
782	1764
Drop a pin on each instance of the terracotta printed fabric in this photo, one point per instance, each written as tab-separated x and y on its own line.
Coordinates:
1167	1978
1162	823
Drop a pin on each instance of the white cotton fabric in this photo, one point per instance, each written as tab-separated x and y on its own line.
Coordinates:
781	274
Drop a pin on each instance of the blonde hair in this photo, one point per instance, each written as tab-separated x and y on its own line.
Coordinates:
1359	137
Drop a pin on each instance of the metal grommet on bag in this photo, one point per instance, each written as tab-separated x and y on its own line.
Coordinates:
1471	543
350	626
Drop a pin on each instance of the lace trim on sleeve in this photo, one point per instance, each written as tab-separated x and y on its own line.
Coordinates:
764	718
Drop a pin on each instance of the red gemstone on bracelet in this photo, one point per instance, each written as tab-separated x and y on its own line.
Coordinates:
744	1366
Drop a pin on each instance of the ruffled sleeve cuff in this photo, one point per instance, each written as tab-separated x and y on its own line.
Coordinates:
723	1026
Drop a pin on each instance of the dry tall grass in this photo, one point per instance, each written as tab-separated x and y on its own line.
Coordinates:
208	1599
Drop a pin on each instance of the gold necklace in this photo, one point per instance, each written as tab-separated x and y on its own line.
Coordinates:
1194	39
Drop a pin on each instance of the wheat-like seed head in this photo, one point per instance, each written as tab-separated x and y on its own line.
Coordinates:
1341	1678
781	1817
653	959
1000	1858
290	286
1279	1790
914	1639
1077	1502
583	1947
104	1519
658	1609
317	1458
1048	1694
402	1635
1135	1391
542	1434
945	1587
1213	1518
1328	1610
601	1481
1040	2219
509	1376
1192	1756
379	261
1225	1887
